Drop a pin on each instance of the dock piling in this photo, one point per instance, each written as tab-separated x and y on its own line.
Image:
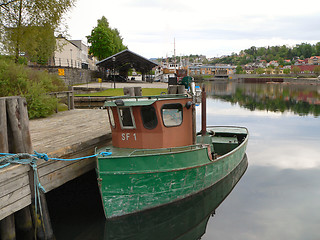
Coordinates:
7	226
15	138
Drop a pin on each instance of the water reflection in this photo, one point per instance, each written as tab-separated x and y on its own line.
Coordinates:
279	194
76	213
277	97
185	220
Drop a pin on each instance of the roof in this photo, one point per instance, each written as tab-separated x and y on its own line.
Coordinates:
127	59
128	101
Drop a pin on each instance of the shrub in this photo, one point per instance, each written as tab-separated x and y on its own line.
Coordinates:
19	80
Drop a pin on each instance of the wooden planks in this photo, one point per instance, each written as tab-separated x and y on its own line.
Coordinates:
65	135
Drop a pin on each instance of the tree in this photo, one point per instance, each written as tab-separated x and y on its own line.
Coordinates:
26	24
239	69
296	70
286	71
316	70
105	41
260	70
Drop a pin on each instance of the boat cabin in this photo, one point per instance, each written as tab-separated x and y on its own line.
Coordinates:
150	122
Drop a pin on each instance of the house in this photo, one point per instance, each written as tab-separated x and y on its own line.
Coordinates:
217	70
314	60
73	54
301	62
273	63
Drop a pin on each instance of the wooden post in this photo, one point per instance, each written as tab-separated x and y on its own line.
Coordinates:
71	97
23	223
129	91
137	91
172	89
57	105
4	147
7	226
181	89
18	121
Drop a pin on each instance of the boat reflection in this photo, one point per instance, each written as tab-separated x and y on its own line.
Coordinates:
181	220
302	99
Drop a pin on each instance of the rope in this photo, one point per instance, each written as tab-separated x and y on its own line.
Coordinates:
26	158
31	159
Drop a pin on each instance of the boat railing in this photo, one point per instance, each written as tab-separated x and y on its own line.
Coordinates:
137	98
166	150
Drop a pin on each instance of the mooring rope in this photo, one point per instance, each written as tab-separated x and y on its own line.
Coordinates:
31	159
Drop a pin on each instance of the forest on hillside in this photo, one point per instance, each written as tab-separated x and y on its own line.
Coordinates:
277	53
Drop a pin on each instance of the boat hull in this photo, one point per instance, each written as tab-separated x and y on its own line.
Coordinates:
184	219
130	184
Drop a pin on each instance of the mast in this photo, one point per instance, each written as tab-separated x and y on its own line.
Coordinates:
174	53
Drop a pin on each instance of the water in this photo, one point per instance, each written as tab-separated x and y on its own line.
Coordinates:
277	197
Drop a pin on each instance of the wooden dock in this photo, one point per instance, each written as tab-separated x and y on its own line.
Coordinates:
67	134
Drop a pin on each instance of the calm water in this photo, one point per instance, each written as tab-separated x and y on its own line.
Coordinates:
278	197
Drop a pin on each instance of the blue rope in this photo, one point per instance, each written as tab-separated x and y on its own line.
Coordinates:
31	159
24	158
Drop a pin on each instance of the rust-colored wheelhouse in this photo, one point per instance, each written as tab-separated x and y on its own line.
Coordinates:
163	123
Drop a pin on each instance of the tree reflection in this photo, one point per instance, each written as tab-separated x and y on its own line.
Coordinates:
299	99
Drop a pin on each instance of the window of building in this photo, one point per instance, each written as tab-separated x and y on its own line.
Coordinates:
172	114
126	118
149	117
111	118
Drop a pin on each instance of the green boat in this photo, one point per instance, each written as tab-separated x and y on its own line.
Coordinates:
181	220
157	156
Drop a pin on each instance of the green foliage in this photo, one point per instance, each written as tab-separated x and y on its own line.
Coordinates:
239	69
104	40
260	71
18	80
277	100
317	70
286	71
296	70
27	27
278	53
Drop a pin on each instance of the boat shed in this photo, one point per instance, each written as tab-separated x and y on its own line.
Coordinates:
123	61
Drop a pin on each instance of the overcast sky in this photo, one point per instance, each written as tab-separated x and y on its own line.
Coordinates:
209	27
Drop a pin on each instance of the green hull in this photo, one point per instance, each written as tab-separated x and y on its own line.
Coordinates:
133	181
181	220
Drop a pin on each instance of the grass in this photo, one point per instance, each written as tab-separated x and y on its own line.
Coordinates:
119	92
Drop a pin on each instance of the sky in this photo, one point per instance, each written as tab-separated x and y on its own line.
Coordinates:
211	28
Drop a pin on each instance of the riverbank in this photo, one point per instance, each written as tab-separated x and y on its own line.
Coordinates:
107	85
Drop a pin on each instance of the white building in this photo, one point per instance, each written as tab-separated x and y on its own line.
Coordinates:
74	54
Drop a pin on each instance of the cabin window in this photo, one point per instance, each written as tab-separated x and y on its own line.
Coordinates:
111	118
149	117
126	118
172	114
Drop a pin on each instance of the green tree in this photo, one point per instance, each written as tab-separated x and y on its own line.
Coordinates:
104	40
239	69
296	70
317	49
260	70
286	71
316	70
29	25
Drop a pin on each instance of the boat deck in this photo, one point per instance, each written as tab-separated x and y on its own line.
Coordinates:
228	129
127	152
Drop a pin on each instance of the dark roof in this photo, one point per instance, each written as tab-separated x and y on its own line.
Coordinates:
127	59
